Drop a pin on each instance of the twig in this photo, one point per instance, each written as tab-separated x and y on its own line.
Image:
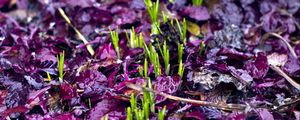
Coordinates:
81	37
285	42
286	104
230	107
283	74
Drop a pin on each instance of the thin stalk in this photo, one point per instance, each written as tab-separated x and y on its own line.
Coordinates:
81	37
231	107
283	40
284	75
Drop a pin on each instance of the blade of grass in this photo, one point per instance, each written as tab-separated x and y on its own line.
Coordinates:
60	60
81	37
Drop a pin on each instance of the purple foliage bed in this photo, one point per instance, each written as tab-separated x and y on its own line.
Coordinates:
240	57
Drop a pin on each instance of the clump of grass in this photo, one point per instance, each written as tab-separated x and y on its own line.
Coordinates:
143	71
182	30
197	2
180	67
81	37
153	12
135	40
152	9
60	64
154	58
115	40
143	112
162	113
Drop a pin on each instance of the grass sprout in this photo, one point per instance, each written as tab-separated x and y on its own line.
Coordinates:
135	40
61	61
162	113
143	112
197	2
180	53
154	58
166	57
115	40
152	9
81	37
182	29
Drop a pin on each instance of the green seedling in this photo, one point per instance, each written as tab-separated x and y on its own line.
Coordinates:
115	40
182	30
166	57
162	113
60	62
180	67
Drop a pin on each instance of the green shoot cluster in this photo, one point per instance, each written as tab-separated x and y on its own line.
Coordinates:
134	40
154	58
115	40
143	112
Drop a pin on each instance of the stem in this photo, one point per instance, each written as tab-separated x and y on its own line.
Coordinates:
284	41
284	75
232	107
81	37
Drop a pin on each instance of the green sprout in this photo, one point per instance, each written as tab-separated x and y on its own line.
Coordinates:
152	9
166	57
142	112
180	67
162	113
115	40
60	60
144	71
129	114
202	48
197	2
135	40
154	58
81	37
182	30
